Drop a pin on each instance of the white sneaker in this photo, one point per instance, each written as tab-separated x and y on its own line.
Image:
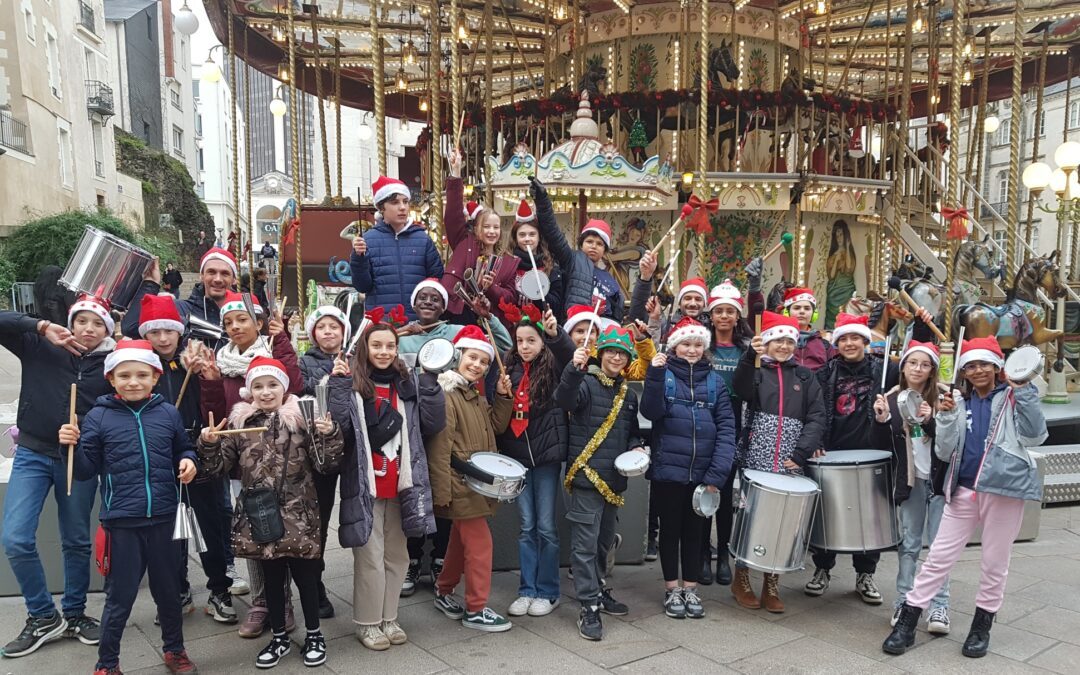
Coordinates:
938	621
542	607
239	584
520	607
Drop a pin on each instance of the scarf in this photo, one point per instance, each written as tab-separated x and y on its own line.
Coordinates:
520	419
386	377
232	363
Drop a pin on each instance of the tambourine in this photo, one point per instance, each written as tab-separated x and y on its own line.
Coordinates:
1024	364
704	502
534	285
435	355
909	401
632	463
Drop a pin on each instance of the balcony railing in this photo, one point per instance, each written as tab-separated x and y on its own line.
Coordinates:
13	133
86	17
987	210
99	97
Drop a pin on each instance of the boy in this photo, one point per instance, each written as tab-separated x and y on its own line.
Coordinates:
138	443
603	425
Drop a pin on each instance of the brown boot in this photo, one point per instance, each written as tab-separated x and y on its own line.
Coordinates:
770	594
741	589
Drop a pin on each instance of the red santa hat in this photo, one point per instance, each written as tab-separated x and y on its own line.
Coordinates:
695	285
795	294
472	210
221	255
433	283
726	293
158	312
687	329
525	213
132	350
599	228
471	337
260	366
327	311
384	188
849	324
96	306
981	349
578	313
234	302
928	348
777	326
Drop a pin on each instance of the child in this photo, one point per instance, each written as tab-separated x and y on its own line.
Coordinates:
577	323
137	442
280	459
785	420
160	325
385	489
470	427
52	358
985	436
693	443
920	475
812	350
329	332
536	437
525	236
603	425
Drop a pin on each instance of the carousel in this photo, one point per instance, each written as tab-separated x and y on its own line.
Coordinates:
825	126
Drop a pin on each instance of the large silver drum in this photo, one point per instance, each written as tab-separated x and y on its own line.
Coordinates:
857	513
106	267
772	524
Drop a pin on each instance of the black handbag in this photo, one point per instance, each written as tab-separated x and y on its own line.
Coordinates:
262	505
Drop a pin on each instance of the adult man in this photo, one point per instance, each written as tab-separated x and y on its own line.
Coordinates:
172	280
202	244
269	257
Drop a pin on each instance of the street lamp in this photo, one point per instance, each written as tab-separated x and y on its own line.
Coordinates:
1067	156
1037	177
277	105
185	20
211	71
991	124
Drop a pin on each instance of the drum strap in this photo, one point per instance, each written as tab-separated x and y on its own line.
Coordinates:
582	461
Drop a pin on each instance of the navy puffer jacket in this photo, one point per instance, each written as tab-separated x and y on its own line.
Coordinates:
393	265
314	364
577	269
136	449
691	442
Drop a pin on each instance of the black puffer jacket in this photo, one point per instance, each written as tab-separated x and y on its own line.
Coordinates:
893	435
314	364
588	401
197	305
855	385
544	440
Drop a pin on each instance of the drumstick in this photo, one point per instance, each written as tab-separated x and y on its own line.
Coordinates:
785	239
885	363
495	348
671	266
592	321
72	420
686	209
757	331
183	388
894	283
536	272
249	430
457	132
956	357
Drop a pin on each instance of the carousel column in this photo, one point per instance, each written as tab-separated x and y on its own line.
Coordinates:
1011	220
703	188
238	251
378	84
435	80
953	195
295	141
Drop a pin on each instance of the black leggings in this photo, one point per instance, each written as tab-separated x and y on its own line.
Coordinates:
724	517
680	530
305	573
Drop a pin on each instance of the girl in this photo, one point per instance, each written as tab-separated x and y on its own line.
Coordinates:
385	490
694	442
536	437
812	349
471	424
985	436
525	236
919	490
280	459
785	422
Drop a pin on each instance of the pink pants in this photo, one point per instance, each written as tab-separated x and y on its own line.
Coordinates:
1000	518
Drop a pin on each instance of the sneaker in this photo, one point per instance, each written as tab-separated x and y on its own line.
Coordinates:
673	603
938	621
326	608
279	647
178	662
487	620
86	629
615	544
108	671
448	605
520	607
651	552
818	584
435	570
412	577
372	637
542	607
219	606
589	625
896	615
254	623
867	589
239	584
394	633
609	605
694	610
187	606
35	633
314	649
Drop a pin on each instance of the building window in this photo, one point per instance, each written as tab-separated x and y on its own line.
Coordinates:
28	24
999	237
174	97
198	124
149	27
99	148
63	138
1074	114
178	141
52	53
146	131
195	89
1003	187
1004	132
1035	238
1039	125
199	160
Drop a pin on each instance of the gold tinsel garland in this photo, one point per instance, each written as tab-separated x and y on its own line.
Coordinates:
582	461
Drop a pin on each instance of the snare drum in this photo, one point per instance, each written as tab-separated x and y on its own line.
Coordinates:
632	463
857	513
495	476
106	267
534	285
772	526
435	355
1024	364
704	502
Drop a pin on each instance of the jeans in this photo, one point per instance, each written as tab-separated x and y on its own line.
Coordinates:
538	545
592	531
920	512
32	476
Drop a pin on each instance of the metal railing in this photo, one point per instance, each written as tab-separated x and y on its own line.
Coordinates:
13	133
99	97
86	17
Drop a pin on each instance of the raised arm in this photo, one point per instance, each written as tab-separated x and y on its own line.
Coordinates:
454	214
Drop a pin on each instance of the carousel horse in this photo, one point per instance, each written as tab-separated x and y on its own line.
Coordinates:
916	280
971	256
883	316
1022	319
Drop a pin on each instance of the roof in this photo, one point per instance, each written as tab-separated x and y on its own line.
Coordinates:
122	10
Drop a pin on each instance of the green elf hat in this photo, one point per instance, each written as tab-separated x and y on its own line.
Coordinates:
616	337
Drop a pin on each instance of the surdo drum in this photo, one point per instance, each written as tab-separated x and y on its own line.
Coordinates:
106	267
772	525
856	513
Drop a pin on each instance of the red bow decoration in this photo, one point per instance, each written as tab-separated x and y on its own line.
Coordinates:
376	315
699	221
510	311
957	222
397	316
290	231
534	314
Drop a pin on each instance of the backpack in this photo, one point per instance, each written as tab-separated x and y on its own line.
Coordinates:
712	382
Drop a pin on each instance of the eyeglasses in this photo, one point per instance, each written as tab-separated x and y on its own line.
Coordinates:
978	365
918	366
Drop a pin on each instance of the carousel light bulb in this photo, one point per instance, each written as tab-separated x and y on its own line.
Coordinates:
278	107
966	75
1067	155
402	80
1058	180
409	53
211	72
277	32
1037	176
462	32
283	71
364	132
821	8
424	104
688	178
969	42
469	190
185	20
991	124
920	21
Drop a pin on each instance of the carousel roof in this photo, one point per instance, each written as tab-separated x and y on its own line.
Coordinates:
867	34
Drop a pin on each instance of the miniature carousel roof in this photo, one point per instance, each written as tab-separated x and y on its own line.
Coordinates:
862	33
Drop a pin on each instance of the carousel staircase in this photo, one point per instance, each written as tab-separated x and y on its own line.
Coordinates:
1061	484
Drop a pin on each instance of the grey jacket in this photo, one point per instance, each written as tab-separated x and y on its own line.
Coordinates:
1016	424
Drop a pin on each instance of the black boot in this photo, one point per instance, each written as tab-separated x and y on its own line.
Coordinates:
978	639
706	576
903	633
723	569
